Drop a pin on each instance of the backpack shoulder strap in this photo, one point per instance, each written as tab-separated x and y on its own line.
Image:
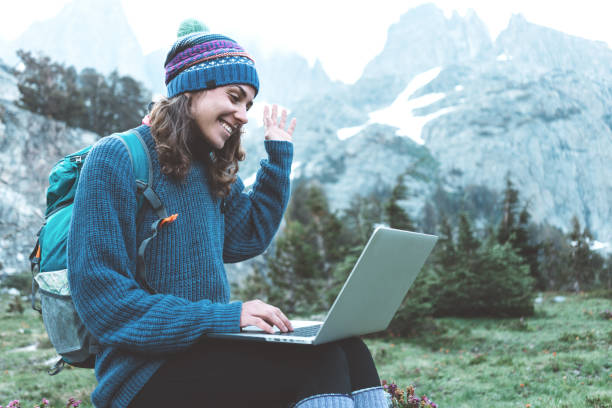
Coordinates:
143	170
139	155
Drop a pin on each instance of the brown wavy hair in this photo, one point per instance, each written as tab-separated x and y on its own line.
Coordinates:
179	141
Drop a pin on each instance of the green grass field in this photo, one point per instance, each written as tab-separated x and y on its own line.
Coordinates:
558	358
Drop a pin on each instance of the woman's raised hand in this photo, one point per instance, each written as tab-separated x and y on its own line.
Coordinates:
264	316
275	129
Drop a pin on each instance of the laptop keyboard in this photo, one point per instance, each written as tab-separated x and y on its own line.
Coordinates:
307	331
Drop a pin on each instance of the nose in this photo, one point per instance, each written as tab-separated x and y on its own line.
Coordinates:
241	115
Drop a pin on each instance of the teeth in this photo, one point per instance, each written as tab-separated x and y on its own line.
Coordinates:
227	127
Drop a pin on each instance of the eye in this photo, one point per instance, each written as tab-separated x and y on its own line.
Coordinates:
235	98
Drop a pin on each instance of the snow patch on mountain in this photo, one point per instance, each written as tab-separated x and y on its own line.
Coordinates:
400	113
347	132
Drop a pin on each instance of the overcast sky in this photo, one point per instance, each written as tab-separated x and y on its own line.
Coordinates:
343	34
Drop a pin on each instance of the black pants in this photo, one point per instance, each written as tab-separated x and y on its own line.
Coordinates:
229	373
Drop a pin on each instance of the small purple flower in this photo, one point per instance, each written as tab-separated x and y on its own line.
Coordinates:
393	387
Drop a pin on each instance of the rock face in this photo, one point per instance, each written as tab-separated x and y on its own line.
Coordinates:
423	39
371	161
553	140
80	35
536	49
536	104
29	146
8	85
540	112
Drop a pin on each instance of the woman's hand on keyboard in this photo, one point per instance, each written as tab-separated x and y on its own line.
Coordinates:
264	316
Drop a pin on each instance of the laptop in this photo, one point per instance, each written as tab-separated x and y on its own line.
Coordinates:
374	290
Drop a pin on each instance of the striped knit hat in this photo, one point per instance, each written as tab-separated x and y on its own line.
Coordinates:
201	60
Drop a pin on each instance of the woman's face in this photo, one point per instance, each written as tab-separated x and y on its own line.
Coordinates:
220	111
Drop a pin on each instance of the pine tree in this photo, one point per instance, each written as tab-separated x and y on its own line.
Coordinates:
446	253
467	244
429	219
305	269
509	209
521	242
554	258
485	279
98	100
49	88
294	271
586	265
363	214
88	100
131	99
396	215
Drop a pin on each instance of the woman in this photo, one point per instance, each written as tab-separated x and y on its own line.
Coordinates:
154	352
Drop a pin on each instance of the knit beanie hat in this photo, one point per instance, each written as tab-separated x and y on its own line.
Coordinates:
201	60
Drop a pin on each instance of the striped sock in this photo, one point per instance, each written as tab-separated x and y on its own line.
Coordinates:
374	397
326	401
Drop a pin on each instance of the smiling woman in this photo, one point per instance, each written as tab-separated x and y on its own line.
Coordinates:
221	111
152	331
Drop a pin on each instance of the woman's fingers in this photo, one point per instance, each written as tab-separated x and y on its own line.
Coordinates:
266	116
263	325
275	126
264	316
274	316
292	126
286	321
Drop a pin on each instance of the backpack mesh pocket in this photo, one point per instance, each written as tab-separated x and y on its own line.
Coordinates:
66	331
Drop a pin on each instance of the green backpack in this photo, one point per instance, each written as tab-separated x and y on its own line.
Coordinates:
68	334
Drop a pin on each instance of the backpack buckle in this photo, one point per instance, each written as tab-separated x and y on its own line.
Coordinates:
59	366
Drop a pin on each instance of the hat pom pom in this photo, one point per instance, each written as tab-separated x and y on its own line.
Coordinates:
191	26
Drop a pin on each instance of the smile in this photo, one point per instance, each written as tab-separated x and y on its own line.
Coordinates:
226	126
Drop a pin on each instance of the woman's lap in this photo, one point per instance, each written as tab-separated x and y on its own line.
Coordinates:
235	373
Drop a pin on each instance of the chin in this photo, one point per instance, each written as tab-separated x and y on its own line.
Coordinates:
216	144
219	145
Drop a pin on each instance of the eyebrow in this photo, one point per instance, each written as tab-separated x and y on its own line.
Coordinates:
244	95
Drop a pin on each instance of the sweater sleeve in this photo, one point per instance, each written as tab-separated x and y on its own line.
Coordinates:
102	258
252	219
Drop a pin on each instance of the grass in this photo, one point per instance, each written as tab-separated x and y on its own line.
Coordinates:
558	358
23	371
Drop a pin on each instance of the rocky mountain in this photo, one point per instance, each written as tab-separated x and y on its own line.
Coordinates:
540	111
86	33
30	145
537	49
80	36
536	105
423	39
155	74
442	103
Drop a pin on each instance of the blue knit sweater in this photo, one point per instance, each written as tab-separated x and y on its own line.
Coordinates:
138	331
